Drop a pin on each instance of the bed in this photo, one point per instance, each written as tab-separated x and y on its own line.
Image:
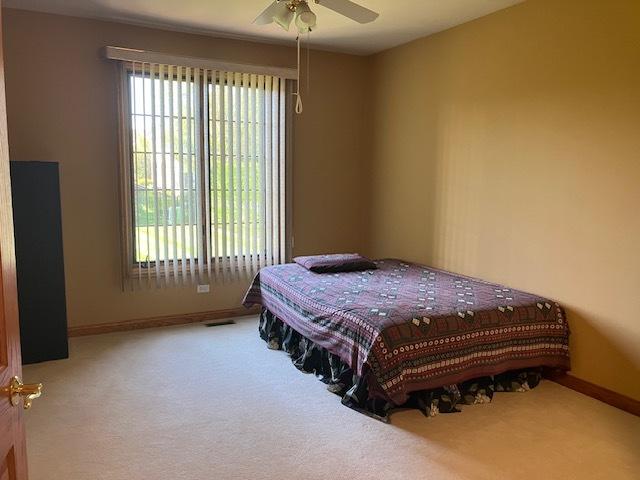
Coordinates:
406	334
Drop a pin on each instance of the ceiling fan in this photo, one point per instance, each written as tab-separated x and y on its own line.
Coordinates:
283	12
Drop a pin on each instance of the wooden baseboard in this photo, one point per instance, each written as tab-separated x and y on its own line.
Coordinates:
605	395
164	321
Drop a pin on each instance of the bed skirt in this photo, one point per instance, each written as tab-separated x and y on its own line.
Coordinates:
355	392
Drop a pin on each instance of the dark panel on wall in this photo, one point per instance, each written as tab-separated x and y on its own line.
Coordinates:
39	261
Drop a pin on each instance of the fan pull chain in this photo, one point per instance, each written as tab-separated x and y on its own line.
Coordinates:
308	61
297	94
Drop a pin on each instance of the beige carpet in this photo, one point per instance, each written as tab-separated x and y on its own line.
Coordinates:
198	403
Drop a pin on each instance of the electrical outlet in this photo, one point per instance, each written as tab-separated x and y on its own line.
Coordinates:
203	288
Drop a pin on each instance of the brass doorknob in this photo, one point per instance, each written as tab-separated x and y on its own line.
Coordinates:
28	392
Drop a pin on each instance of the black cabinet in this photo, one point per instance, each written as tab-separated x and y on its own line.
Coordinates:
35	190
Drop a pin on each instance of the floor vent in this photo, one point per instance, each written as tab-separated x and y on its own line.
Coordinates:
217	323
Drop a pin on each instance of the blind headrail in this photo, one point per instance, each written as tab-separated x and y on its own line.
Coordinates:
143	56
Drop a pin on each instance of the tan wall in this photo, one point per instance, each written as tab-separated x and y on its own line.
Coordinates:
509	148
62	107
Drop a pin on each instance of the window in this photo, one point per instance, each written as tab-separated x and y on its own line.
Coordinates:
204	172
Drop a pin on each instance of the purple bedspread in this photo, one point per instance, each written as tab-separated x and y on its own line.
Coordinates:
409	327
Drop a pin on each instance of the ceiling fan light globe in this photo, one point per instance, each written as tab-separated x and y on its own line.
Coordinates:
284	16
305	18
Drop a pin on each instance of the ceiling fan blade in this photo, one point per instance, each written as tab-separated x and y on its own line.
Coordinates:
267	15
349	9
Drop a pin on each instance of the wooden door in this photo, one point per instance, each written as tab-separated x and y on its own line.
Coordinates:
13	461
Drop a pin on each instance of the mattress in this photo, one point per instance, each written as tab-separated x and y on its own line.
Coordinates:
409	327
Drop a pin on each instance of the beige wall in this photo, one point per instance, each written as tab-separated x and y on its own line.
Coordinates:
509	148
62	107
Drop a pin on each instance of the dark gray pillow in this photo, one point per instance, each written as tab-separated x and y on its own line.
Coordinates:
335	262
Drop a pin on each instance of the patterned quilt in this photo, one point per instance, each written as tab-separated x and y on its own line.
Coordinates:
409	327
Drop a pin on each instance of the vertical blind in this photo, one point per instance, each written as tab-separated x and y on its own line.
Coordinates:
204	172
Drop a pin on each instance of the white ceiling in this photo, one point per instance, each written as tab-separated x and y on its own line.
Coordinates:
400	21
